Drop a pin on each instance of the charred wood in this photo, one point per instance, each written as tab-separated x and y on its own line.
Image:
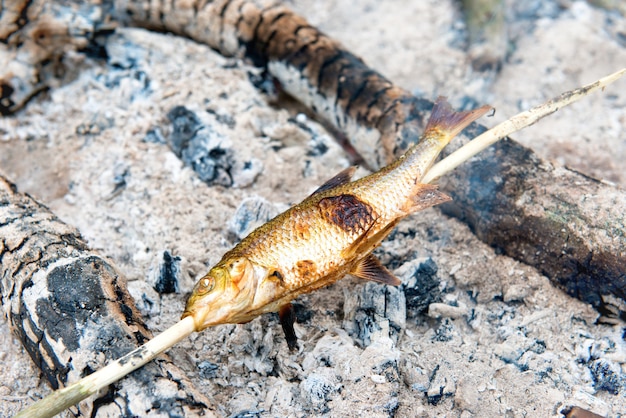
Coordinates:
71	310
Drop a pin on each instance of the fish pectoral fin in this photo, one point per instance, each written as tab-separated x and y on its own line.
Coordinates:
340	178
371	269
366	243
287	317
425	196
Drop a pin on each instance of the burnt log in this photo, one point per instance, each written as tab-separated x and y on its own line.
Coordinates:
71	311
569	226
35	36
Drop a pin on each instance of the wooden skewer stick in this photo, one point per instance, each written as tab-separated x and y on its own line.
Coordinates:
89	385
514	124
71	395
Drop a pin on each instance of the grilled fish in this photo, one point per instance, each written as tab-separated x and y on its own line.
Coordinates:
329	234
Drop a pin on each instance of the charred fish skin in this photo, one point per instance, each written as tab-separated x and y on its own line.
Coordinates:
329	234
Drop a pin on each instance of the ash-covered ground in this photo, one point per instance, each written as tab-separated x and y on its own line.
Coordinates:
165	154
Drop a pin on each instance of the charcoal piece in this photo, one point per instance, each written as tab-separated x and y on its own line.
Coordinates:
200	147
319	387
445	331
422	288
168	275
207	369
442	384
538	346
223	118
388	368
366	310
96	124
247	414
244	173
155	136
212	164
121	172
244	405
265	83
185	124
607	376
150	303
391	406
317	145
366	324
253	212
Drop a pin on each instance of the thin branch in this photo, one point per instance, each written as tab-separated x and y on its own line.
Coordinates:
89	385
514	124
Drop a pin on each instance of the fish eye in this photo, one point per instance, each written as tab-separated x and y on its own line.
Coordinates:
205	285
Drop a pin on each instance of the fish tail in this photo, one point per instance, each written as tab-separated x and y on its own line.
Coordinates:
446	123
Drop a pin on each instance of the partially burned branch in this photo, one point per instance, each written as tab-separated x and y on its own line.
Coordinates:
569	226
34	37
72	312
549	217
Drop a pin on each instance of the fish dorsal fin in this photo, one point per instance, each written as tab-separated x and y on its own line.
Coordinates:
370	269
340	178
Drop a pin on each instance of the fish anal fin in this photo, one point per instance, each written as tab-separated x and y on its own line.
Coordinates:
371	269
287	317
425	196
343	177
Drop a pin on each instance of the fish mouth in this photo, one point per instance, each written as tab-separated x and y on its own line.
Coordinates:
199	312
197	324
208	315
205	317
189	307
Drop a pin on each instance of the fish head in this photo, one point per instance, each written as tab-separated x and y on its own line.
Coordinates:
223	295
